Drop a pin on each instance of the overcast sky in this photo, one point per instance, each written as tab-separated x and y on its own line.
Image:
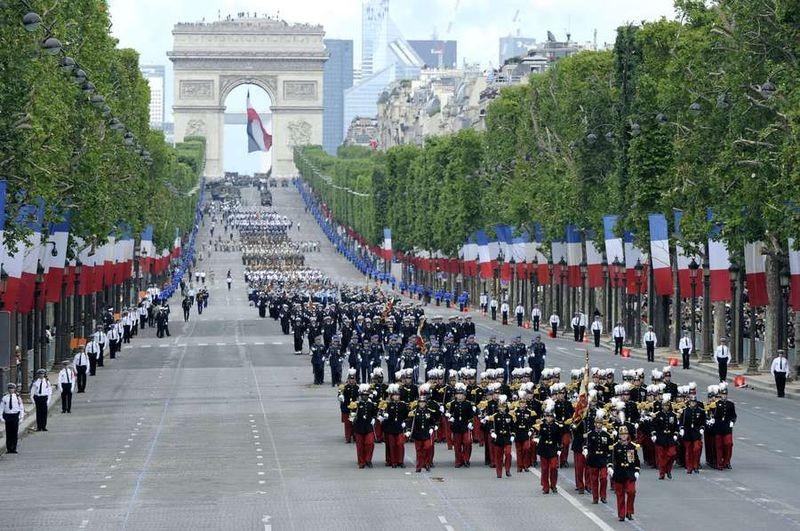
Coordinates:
146	25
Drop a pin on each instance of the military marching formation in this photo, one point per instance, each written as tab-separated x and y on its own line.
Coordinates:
610	427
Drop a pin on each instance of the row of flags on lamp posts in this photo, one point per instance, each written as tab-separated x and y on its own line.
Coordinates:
106	264
480	256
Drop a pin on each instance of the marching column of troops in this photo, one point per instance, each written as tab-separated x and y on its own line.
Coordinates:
608	429
517	410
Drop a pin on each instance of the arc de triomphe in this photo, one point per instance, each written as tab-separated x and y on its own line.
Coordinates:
286	60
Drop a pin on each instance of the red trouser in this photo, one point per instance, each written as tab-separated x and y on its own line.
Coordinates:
462	443
378	432
626	494
549	473
665	458
724	447
477	433
648	449
395	443
524	457
365	445
580	470
598	482
502	458
566	440
534	457
424	450
692	451
443	435
348	427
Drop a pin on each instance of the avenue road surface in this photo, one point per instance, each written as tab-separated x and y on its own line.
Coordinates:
219	427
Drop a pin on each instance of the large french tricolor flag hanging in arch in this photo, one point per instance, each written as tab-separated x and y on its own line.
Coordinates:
659	254
574	256
257	137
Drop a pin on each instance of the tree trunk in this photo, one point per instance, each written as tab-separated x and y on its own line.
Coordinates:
772	318
719	324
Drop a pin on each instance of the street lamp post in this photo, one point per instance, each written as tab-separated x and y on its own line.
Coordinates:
637	323
513	295
562	272
607	317
693	267
707	325
733	273
76	298
550	268
535	281
785	280
62	316
39	361
584	291
619	293
3	286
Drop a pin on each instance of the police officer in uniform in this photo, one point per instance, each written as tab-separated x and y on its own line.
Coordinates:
13	413
40	394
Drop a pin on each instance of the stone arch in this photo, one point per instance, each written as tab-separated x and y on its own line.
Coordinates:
228	83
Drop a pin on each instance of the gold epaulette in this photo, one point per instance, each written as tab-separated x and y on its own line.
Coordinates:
341	387
382	404
637	446
353	406
513	415
482	404
413	405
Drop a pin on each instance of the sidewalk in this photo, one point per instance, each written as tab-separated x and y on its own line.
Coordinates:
28	424
763	382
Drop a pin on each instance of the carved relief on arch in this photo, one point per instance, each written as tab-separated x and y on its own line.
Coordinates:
229	82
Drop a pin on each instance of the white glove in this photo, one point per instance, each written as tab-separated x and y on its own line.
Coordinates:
610	472
702	431
341	399
636	475
585	452
441	409
470	426
558	453
536	440
494	435
483	421
674	437
636	425
430	431
653	438
372	422
681	432
512	438
731	424
408	434
448	415
402	424
711	422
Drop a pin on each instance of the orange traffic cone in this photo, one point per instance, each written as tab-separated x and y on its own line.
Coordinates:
740	381
626	352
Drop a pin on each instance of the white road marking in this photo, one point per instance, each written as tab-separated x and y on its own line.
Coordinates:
145	346
578	505
423	493
442	519
107	477
220	344
202	344
778	451
265	521
103	486
84	523
258	343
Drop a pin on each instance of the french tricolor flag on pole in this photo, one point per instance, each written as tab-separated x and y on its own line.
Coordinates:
257	137
659	254
755	266
484	255
683	261
387	244
559	252
147	251
28	254
594	262
55	259
543	273
633	255
574	256
614	251
794	270
719	262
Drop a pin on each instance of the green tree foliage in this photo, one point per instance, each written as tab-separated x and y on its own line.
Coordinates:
698	113
56	146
